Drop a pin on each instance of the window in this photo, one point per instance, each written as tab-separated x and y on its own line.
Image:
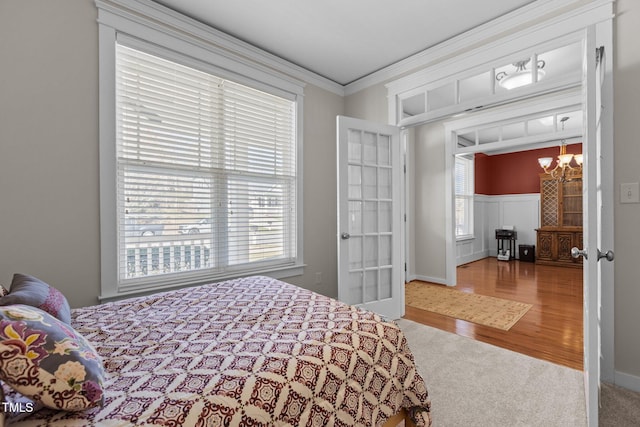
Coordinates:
464	189
206	175
462	85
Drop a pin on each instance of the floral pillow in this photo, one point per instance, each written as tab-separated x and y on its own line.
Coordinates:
32	291
47	361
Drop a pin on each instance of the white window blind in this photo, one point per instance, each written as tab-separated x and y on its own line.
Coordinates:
464	189
206	173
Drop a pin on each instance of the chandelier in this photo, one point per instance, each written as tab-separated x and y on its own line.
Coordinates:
520	77
563	170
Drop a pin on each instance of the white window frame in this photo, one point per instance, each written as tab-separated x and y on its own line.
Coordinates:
162	32
467	162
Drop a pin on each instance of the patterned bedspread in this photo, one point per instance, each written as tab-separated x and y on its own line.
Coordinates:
253	351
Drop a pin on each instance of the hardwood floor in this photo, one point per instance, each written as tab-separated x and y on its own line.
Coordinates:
551	330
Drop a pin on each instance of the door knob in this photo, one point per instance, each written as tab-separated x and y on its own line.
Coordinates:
575	252
608	255
345	236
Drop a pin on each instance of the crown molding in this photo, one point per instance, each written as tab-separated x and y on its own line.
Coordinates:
152	14
489	31
567	26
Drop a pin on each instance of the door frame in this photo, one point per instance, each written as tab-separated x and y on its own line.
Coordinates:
603	36
599	323
600	17
550	104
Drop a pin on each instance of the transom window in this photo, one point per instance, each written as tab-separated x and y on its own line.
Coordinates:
548	126
540	69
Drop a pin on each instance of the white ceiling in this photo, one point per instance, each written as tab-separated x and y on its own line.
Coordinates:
344	40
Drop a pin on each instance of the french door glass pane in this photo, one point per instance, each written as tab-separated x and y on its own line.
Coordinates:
384	150
385	216
371	286
355	182
355	217
384	183
370	182
371	251
355	146
369	148
385	250
370	217
354	288
385	283
355	252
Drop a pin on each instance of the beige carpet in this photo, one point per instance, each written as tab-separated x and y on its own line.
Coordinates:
474	384
619	407
489	311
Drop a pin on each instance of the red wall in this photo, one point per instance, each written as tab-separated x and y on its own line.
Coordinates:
514	173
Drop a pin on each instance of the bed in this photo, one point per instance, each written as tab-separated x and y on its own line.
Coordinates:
252	351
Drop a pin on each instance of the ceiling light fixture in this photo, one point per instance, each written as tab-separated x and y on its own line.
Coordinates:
520	77
563	170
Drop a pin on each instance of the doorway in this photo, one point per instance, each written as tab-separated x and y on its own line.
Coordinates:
551	330
514	200
595	88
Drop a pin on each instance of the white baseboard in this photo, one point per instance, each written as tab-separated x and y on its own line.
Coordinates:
631	382
473	257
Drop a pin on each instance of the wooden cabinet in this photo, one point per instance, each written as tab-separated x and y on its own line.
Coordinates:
560	221
554	247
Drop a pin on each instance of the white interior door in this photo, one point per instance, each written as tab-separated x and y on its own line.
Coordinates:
594	180
370	255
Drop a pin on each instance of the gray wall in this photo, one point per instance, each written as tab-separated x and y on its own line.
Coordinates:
49	217
429	237
49	201
626	158
320	191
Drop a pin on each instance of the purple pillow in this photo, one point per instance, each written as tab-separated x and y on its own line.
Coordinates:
31	291
46	360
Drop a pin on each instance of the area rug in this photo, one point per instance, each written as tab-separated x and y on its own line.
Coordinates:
489	311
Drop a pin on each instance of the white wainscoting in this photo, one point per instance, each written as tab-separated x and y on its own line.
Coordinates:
491	212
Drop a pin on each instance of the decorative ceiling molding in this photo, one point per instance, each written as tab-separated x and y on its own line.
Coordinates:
154	15
151	13
530	17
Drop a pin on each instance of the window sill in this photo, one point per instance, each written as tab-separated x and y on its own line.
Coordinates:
161	285
465	238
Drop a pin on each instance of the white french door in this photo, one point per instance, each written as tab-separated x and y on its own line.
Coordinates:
596	178
370	255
